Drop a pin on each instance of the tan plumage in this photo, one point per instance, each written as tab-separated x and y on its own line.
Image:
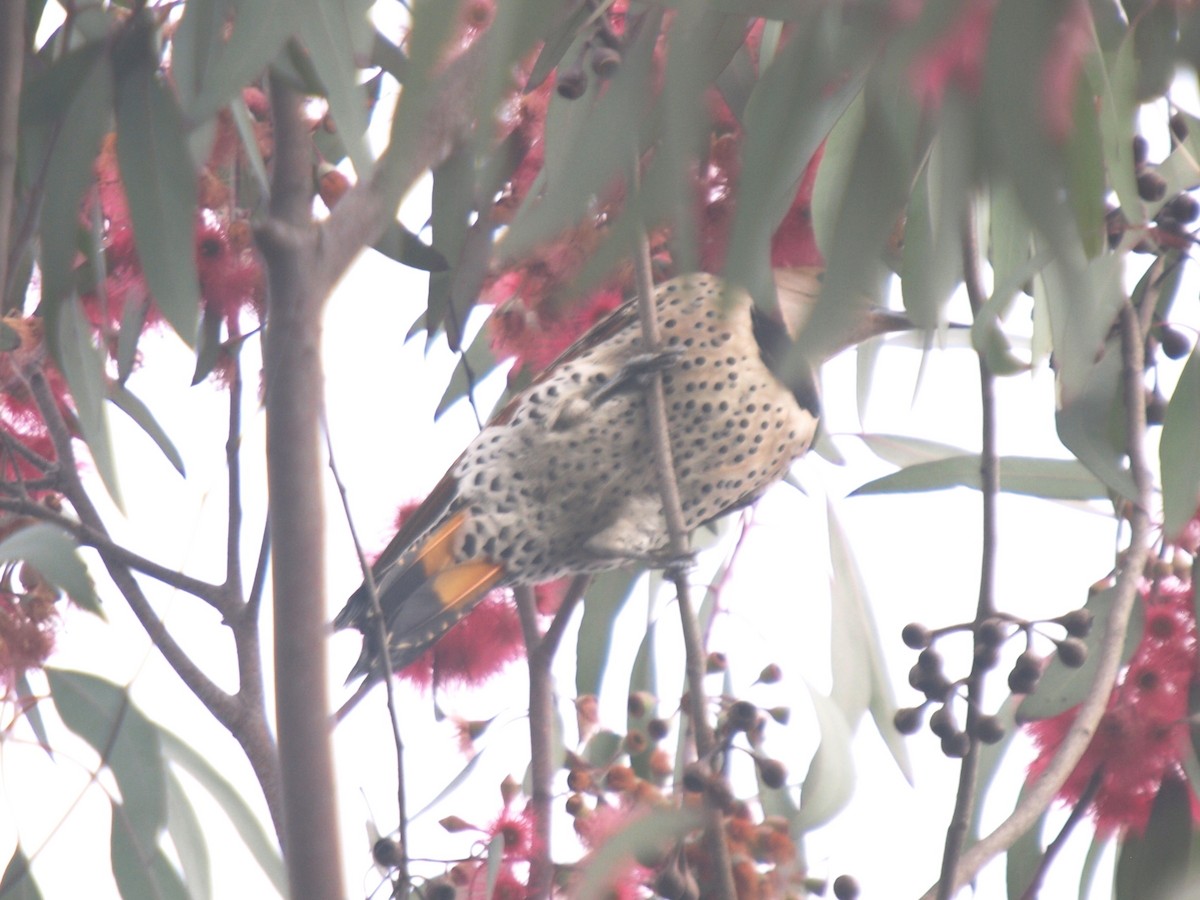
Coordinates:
562	480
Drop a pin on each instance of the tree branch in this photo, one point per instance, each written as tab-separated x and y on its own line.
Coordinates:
220	704
445	116
233	446
693	641
989	477
294	389
1042	792
400	882
541	742
91	536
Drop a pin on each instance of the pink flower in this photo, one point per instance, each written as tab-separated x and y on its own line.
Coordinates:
595	830
955	57
1144	734
1061	69
516	829
531	327
486	640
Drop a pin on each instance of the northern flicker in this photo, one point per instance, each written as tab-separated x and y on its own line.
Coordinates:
562	480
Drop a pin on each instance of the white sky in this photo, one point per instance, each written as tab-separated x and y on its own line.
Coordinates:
919	556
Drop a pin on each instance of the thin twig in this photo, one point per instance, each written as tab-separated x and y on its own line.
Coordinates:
400	884
216	701
97	538
678	548
1055	846
242	613
562	616
258	585
541	743
1108	658
35	459
233	455
989	476
540	650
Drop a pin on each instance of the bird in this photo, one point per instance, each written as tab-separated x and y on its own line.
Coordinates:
562	480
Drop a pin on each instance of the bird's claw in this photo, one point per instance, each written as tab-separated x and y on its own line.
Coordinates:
677	567
635	371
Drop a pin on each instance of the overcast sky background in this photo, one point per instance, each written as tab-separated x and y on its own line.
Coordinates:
918	554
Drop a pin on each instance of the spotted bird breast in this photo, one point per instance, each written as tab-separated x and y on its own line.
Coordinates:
567	483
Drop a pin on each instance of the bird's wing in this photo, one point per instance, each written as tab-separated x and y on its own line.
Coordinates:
437	507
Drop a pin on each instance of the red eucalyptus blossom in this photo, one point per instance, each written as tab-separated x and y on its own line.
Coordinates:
1143	737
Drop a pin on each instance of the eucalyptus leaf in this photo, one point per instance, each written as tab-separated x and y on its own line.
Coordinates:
187	834
904	450
470	369
217	69
55	555
140	867
127	402
83	365
160	184
87	111
333	32
829	783
1154	865
27	702
653	832
860	677
605	598
17	882
1177	450
248	826
1051	479
103	714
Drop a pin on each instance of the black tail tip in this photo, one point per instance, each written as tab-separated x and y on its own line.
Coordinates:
354	613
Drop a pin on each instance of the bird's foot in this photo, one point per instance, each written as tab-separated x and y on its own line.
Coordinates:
679	566
635	372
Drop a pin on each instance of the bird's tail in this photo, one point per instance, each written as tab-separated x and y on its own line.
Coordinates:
425	592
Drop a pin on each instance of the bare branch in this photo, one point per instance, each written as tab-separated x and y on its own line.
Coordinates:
989	477
98	539
693	641
233	446
294	389
216	701
1042	792
553	636
541	743
400	884
258	585
360	216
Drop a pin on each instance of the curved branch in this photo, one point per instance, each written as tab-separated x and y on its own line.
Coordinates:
1042	792
221	705
98	539
446	116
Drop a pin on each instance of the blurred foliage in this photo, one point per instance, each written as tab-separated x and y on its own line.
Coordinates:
1027	115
